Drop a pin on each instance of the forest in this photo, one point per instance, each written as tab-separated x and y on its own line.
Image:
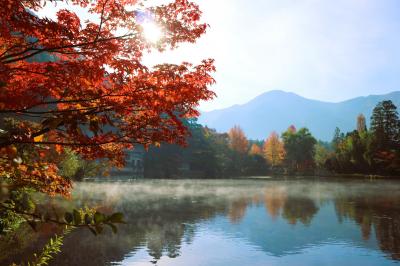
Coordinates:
209	154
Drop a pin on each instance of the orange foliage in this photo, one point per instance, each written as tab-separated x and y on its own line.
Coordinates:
274	200
237	210
273	149
238	140
255	150
86	86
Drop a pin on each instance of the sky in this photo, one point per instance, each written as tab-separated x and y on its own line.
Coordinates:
325	50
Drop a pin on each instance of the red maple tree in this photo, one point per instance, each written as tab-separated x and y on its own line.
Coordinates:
82	84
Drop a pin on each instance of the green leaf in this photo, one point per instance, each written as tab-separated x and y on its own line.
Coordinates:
26	202
68	217
98	218
77	217
117	218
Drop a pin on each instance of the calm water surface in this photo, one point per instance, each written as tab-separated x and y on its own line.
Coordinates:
238	222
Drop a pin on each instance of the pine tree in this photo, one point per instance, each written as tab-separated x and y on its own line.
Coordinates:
385	124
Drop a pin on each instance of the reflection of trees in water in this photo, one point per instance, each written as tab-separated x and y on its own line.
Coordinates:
381	213
388	235
293	207
165	238
162	224
274	200
299	209
277	200
237	209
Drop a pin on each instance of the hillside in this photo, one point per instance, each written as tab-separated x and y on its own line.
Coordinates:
276	110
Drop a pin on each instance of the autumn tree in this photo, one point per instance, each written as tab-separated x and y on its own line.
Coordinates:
274	151
82	84
255	149
374	151
237	140
361	124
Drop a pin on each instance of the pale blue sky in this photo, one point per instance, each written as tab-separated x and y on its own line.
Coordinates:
320	49
327	50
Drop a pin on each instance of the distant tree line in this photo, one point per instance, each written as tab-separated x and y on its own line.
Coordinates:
209	154
370	151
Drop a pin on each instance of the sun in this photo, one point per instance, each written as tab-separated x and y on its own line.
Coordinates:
152	32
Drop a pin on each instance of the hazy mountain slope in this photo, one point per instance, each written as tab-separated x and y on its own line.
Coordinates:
276	110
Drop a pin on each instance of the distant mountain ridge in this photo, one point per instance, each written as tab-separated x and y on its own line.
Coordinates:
276	110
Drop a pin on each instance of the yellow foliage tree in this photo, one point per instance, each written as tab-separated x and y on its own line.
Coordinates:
237	140
274	151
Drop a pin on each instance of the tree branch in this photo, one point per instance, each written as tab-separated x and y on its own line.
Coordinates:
6	60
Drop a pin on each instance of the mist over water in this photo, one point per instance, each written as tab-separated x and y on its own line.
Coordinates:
236	222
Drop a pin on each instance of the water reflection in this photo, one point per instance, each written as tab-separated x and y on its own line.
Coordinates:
380	213
274	199
236	222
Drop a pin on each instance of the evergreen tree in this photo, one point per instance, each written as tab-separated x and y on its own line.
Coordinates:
385	125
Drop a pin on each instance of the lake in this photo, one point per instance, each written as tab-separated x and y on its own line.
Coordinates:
235	222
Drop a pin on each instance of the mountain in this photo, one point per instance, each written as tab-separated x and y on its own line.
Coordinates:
277	110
